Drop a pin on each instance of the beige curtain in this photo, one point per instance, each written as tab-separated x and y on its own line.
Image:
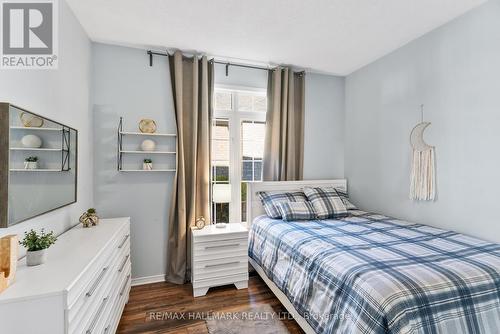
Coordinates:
284	145
192	86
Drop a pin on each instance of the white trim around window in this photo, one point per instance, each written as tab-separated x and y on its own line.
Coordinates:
235	118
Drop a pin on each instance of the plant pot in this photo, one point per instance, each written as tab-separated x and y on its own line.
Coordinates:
147	166
30	164
36	258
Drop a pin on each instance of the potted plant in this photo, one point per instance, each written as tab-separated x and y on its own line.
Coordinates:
31	163
89	218
148	164
37	245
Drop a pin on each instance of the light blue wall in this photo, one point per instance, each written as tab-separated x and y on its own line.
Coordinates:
324	127
62	95
125	85
455	72
240	76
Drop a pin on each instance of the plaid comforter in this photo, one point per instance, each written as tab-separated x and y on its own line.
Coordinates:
368	273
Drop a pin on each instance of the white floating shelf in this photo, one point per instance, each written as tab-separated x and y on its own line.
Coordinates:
35	149
33	128
142	170
36	170
149	152
149	134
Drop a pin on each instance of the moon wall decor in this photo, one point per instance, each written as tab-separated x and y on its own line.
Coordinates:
417	137
423	173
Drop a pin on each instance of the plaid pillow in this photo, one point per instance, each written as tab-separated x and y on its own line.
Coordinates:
327	202
271	199
345	198
291	211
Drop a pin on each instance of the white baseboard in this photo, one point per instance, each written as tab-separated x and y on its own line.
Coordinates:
148	280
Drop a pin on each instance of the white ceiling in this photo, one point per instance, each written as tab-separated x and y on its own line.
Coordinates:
331	36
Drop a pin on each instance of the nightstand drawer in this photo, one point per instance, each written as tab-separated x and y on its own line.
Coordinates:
220	268
222	254
220	246
221	237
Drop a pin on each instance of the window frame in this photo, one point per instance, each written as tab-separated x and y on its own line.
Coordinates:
235	119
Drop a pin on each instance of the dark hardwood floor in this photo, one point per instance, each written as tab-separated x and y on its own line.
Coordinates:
150	308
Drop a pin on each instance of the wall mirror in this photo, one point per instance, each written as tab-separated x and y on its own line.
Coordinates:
38	165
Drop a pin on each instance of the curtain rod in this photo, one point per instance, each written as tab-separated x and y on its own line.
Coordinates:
154	53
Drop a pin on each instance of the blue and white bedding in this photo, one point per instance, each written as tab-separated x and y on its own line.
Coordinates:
368	273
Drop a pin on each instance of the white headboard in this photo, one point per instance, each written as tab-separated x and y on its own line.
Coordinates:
254	206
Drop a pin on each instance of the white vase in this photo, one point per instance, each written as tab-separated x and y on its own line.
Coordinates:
30	164
148	145
147	166
31	141
36	258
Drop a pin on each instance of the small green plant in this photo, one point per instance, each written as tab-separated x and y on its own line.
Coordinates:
31	159
35	242
148	161
91	211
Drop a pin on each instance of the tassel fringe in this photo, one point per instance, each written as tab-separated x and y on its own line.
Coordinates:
423	186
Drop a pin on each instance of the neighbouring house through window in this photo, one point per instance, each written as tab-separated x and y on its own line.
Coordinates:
238	130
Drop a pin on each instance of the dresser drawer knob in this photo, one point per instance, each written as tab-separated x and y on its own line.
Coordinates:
97	316
123	241
123	264
122	290
222	264
96	283
221	246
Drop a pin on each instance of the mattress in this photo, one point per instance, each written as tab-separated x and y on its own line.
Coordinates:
368	273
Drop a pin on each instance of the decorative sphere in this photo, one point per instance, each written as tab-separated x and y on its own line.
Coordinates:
31	141
148	145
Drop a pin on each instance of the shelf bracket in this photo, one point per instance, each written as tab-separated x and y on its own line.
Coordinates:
66	149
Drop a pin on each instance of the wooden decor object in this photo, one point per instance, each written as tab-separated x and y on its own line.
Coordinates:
31	121
8	260
147	125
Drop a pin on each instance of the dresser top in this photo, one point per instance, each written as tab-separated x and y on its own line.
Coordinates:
213	230
72	253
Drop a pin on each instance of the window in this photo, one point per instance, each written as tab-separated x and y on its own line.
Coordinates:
220	163
238	132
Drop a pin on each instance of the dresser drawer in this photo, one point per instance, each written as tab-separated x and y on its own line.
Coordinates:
97	292
119	288
93	318
87	317
95	269
220	246
115	264
118	306
121	297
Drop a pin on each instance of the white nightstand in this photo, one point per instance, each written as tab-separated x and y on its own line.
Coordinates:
219	257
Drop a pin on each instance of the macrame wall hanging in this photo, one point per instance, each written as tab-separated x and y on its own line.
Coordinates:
423	179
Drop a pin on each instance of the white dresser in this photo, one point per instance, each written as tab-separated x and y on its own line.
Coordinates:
219	257
82	289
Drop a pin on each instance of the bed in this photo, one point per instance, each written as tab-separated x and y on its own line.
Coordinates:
368	273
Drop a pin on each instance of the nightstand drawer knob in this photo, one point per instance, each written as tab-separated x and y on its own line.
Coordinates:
222	264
